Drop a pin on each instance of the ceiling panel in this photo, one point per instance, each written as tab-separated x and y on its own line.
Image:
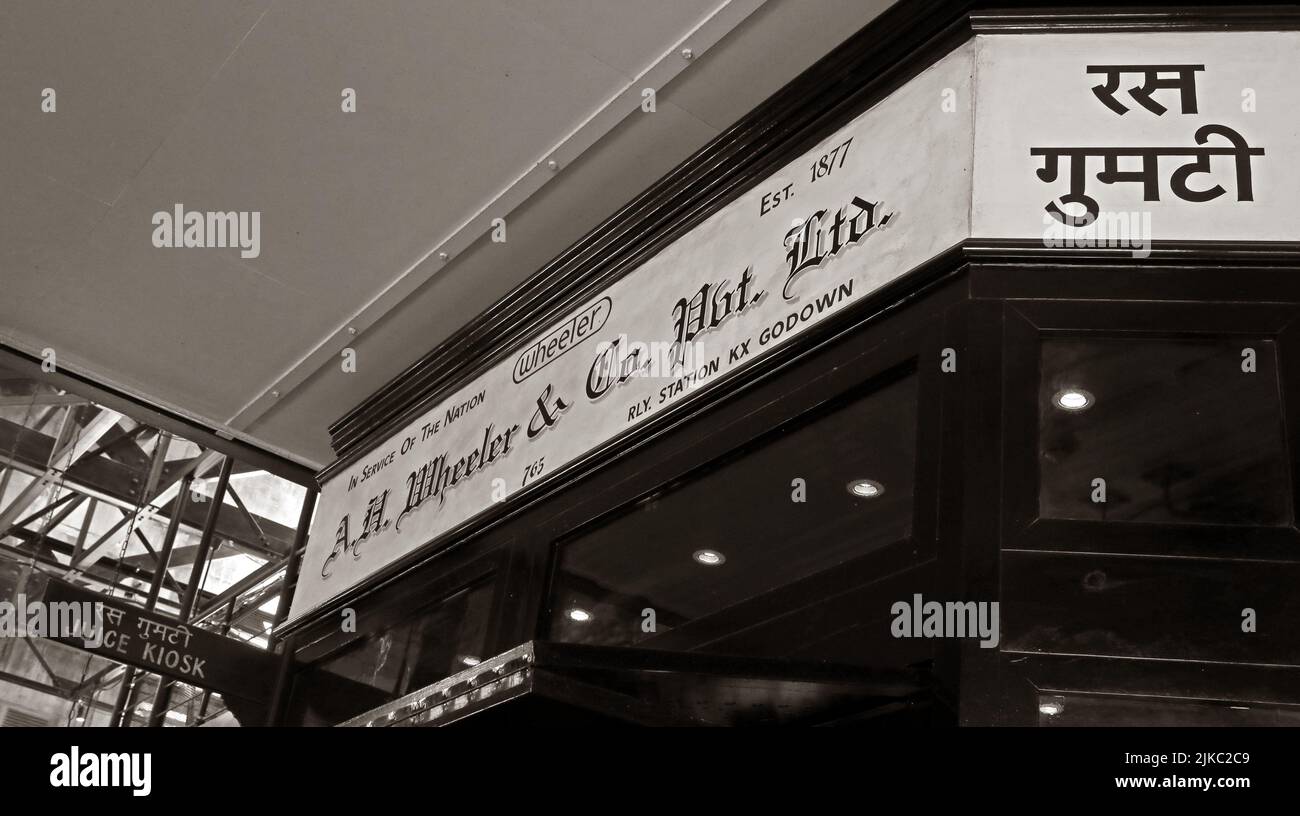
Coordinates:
626	36
124	73
214	322
453	102
630	158
236	106
38	215
780	41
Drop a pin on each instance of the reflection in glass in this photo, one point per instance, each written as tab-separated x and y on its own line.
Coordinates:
1180	433
427	647
778	513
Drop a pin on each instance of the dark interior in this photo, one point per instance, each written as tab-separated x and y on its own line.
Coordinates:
1180	396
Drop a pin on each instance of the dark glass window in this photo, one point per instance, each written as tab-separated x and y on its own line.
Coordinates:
1180	433
739	531
431	645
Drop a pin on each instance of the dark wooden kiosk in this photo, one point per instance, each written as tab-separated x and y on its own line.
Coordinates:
1103	442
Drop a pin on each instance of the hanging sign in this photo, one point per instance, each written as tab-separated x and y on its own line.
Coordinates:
163	645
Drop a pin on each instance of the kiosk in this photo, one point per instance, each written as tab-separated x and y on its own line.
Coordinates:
959	383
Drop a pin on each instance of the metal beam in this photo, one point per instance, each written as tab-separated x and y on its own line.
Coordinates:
169	540
121	439
124	705
24	358
85	440
244	584
57	681
42	399
193	588
162	699
62	459
101	547
98	678
70	479
86	521
156	559
252	605
90	577
185	555
57	518
44	418
276	548
35	685
118	717
252	522
47	508
295	563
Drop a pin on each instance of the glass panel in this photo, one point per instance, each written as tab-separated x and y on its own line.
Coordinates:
88	494
1091	710
436	643
741	530
255	526
1176	428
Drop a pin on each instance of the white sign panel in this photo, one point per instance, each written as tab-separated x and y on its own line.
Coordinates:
884	194
1189	136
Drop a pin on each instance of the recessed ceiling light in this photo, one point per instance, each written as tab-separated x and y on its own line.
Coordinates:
1073	399
579	615
709	558
865	488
